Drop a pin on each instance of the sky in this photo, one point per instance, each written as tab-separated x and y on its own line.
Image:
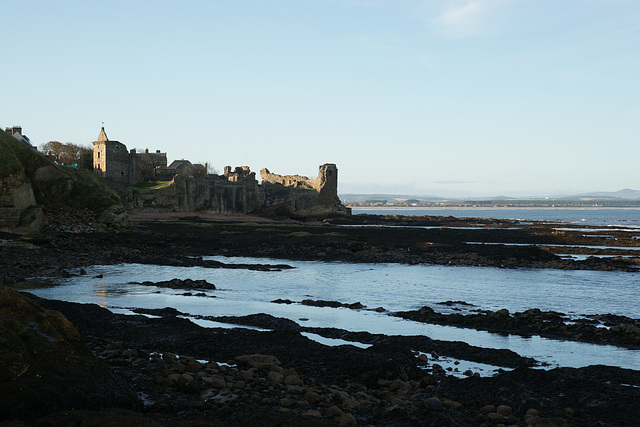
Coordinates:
454	98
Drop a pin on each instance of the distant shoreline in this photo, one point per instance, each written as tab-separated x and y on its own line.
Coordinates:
489	207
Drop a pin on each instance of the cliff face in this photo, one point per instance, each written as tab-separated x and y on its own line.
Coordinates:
213	194
218	195
19	212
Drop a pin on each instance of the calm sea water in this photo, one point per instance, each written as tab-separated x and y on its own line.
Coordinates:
587	216
392	286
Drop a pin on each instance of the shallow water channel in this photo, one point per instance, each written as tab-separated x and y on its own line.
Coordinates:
394	287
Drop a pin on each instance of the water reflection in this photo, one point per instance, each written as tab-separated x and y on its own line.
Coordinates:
101	294
394	287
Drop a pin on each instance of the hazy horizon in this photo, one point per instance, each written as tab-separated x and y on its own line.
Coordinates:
403	191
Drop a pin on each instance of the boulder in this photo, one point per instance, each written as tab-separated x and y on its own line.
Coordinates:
114	216
45	367
258	361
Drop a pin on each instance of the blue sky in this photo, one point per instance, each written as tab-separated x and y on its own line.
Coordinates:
439	97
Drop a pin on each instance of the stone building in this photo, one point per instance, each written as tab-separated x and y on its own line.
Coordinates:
180	167
192	189
113	162
150	163
16	132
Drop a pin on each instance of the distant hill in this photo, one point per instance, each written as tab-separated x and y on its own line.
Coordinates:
622	198
361	198
626	193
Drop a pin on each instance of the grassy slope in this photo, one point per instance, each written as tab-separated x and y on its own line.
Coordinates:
16	156
81	189
85	192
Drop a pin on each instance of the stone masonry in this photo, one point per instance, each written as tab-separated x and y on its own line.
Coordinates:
236	191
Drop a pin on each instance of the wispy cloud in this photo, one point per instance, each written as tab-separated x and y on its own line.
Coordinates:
465	18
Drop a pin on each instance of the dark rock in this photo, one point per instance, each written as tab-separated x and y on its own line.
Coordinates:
179	284
45	366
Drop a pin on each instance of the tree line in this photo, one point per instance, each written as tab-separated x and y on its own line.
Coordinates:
69	153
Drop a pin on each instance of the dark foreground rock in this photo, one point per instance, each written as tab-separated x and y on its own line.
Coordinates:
188	375
46	367
133	370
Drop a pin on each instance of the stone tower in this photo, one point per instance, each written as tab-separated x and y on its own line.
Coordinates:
328	181
112	161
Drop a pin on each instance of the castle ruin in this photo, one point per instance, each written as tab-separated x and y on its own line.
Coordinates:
192	189
113	162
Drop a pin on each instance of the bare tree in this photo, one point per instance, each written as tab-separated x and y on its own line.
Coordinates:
69	153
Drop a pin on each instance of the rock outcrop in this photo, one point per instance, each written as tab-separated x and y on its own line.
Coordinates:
19	212
46	367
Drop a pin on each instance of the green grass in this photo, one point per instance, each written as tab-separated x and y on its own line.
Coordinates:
152	185
16	157
89	191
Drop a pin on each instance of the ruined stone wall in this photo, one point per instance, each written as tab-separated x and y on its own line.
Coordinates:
217	195
148	163
295	181
238	191
325	183
303	196
212	194
240	173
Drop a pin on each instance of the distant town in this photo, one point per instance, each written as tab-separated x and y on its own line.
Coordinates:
394	201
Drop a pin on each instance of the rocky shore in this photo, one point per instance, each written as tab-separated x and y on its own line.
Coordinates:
182	240
79	364
620	331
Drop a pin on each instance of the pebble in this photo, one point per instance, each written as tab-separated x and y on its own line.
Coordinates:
260	379
275	377
504	410
347	419
333	411
433	404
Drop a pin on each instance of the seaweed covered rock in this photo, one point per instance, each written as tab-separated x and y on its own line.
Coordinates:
46	367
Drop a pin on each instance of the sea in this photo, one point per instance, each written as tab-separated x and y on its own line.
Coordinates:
389	288
585	216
